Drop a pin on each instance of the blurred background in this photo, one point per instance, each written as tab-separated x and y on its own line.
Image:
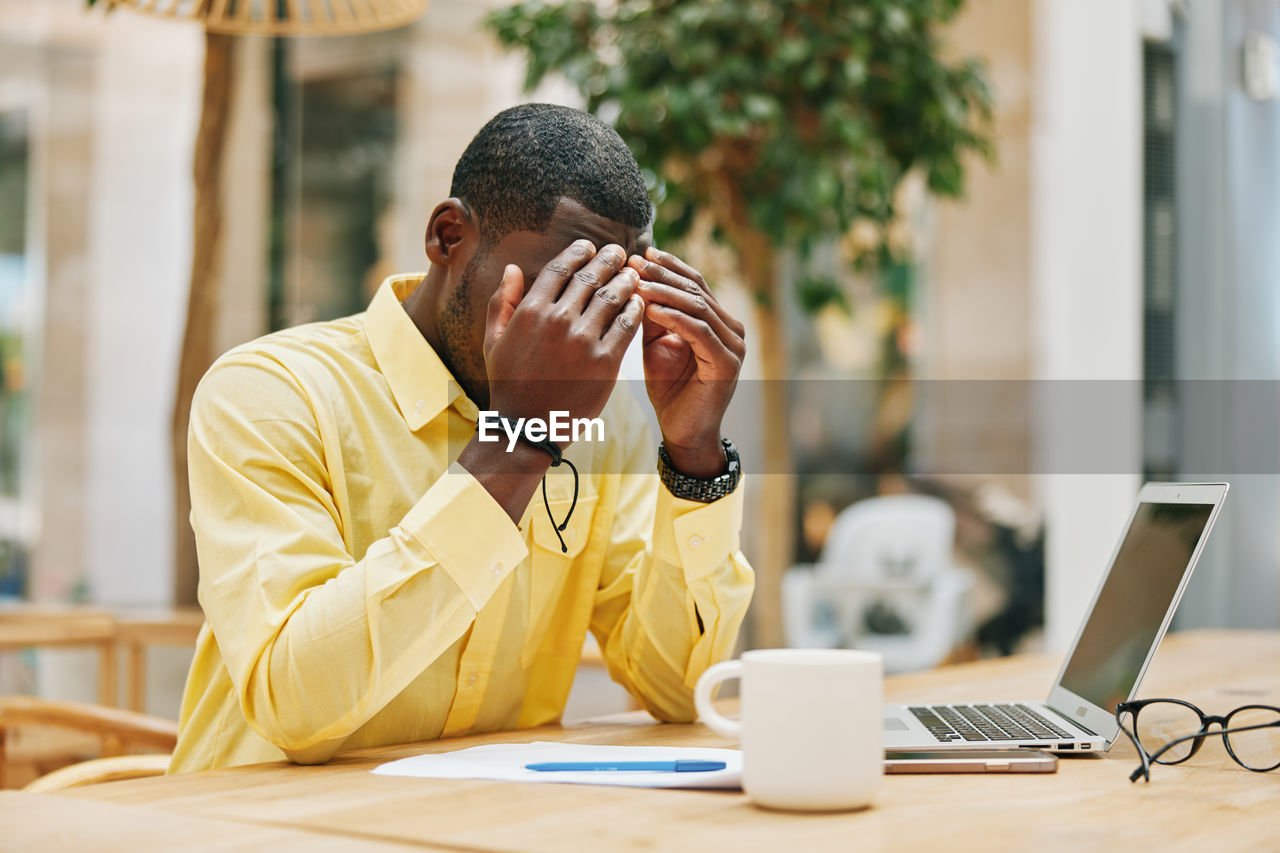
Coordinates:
1060	279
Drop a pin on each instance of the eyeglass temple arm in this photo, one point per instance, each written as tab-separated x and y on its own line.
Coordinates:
1143	768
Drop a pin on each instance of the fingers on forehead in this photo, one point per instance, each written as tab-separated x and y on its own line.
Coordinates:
674	279
600	270
552	277
611	256
572	258
672	262
684	284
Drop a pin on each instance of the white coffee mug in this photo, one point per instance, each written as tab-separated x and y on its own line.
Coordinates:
811	725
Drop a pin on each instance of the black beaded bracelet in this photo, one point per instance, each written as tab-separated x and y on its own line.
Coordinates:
553	450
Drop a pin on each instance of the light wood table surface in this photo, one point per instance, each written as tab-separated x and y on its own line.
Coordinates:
1209	803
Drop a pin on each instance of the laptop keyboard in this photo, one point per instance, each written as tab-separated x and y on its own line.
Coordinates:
950	723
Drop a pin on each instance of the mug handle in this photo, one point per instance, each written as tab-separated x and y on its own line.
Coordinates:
717	722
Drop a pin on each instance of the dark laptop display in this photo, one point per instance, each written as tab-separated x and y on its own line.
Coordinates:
1131	606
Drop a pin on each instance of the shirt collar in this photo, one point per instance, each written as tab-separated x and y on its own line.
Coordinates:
420	383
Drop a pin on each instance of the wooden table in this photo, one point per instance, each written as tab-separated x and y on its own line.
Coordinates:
1210	803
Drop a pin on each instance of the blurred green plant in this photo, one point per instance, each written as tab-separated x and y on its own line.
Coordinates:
788	123
794	118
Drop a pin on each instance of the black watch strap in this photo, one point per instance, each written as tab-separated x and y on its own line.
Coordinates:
695	488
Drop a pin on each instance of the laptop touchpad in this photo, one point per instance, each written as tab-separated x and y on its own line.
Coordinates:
894	724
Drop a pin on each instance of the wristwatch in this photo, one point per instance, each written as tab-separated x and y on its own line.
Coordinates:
697	489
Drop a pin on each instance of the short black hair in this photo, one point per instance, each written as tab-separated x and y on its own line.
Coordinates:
526	158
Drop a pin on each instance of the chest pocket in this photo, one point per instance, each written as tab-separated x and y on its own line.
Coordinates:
549	569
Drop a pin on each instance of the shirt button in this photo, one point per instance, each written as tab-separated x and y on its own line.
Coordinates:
497	570
471	679
696	541
422	404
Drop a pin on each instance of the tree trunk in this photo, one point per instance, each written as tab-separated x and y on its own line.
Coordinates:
198	344
757	262
777	488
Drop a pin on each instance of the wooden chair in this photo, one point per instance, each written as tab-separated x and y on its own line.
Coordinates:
63	735
118	729
136	631
32	625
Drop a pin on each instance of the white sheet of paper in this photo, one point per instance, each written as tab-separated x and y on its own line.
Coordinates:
506	762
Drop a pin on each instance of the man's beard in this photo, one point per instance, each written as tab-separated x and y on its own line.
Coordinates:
463	355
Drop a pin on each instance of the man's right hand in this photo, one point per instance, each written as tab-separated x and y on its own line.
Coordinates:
558	347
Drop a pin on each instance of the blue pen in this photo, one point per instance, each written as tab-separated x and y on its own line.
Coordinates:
687	766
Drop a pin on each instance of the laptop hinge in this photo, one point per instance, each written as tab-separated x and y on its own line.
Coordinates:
1079	725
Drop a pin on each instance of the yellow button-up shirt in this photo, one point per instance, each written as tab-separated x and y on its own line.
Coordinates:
360	588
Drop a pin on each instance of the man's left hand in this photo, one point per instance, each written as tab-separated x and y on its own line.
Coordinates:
693	351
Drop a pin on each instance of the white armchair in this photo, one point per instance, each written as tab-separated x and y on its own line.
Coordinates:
883	582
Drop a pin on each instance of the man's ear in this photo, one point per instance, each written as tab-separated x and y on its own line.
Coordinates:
451	230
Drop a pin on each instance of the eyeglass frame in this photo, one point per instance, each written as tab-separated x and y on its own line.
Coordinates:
1144	770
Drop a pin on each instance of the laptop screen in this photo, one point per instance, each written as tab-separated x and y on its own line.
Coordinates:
1134	601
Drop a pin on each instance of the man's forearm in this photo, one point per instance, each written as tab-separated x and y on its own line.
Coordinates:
509	477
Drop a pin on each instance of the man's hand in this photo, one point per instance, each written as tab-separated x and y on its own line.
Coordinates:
559	346
693	351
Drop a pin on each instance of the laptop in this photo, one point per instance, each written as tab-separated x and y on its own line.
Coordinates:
1128	616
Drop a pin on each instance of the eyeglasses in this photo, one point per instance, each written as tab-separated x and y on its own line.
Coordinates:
1169	731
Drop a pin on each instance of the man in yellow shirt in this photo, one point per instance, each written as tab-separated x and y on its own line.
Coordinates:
373	572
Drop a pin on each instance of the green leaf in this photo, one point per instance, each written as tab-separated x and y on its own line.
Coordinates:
814	293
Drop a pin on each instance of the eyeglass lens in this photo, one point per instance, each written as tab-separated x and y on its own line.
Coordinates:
1162	722
1258	749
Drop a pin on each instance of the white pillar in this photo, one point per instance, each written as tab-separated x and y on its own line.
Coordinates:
146	109
1087	284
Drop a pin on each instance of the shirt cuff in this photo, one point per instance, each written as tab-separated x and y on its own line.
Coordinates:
469	534
700	537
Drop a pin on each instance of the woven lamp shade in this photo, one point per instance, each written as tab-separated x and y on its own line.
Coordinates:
285	17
